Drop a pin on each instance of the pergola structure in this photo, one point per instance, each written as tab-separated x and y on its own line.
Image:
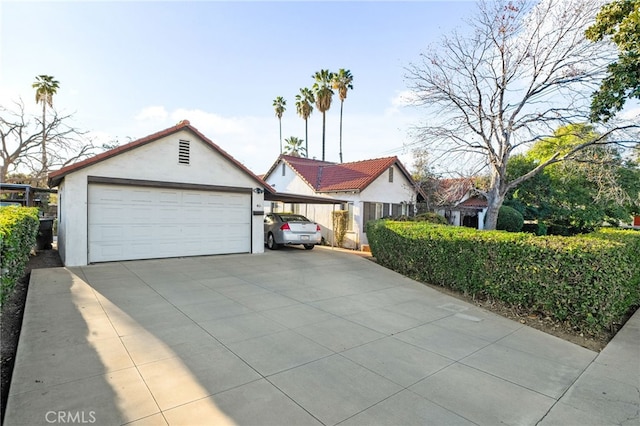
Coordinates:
22	194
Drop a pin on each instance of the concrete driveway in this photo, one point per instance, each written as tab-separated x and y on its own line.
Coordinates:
291	337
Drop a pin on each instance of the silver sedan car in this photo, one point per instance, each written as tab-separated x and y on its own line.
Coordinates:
289	229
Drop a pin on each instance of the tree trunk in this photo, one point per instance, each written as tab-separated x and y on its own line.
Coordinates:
323	127
306	138
44	141
280	122
4	171
341	105
495	197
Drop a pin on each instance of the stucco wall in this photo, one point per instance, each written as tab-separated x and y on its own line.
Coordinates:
290	183
156	161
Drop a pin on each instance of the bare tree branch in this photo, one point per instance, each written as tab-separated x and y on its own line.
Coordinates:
21	137
523	70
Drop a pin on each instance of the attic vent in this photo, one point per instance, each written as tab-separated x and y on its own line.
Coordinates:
183	152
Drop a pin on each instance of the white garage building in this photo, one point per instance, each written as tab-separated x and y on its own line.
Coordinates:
171	194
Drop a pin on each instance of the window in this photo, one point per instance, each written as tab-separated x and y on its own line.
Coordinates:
372	211
390	174
183	152
284	169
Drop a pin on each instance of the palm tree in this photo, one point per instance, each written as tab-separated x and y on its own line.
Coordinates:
45	87
304	106
323	94
294	147
341	82
279	105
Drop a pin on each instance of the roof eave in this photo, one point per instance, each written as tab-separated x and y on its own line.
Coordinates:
56	177
333	191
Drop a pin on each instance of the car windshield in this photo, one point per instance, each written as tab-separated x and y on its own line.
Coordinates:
293	218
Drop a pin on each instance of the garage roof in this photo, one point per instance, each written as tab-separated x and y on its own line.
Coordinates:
56	176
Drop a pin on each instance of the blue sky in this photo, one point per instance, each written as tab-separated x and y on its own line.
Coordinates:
128	69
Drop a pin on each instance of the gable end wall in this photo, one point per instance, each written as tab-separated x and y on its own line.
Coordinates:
156	161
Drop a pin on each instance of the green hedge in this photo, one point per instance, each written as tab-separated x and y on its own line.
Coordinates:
18	231
590	281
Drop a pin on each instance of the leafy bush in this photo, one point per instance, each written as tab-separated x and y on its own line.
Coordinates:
535	228
565	229
589	281
18	231
340	218
431	218
509	219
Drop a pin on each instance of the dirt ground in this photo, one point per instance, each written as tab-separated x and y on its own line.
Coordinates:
13	309
11	318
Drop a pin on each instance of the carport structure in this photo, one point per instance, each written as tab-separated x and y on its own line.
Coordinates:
274	196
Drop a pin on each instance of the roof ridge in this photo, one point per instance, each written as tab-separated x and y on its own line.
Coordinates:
393	157
305	159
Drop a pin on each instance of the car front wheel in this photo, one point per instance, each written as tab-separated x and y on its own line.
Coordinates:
271	242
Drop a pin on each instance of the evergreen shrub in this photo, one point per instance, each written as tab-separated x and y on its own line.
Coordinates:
18	231
590	281
509	219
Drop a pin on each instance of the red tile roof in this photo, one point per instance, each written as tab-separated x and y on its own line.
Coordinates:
308	169
451	191
56	176
324	176
474	202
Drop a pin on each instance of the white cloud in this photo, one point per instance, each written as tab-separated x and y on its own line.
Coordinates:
402	99
156	113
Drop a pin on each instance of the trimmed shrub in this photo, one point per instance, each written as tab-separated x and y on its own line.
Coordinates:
509	219
18	231
589	281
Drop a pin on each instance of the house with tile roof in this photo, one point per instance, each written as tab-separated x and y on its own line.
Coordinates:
461	203
370	189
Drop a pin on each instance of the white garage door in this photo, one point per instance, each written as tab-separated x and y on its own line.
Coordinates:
128	222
